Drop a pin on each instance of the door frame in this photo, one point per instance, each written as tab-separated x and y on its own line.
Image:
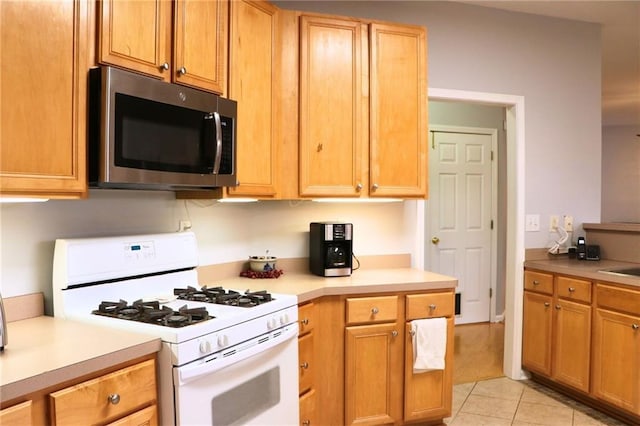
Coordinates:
514	292
493	317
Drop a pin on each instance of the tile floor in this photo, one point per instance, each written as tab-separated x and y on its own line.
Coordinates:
502	401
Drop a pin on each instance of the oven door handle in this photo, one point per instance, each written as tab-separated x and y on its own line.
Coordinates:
191	372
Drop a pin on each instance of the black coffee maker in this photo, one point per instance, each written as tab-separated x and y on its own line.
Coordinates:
330	249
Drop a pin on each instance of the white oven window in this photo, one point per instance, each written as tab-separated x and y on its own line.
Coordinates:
247	400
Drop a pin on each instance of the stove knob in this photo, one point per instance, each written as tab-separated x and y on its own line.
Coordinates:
205	347
284	319
223	340
272	323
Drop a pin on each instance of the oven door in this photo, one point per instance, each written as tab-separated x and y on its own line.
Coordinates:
257	385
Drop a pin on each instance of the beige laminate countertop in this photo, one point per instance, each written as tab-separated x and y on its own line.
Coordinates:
44	351
587	269
307	286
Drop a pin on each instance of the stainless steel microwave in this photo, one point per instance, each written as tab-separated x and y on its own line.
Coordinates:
148	134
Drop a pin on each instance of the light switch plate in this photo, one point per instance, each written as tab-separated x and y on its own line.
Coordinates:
532	223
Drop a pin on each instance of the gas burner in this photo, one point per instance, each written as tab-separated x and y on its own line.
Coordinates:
151	313
220	296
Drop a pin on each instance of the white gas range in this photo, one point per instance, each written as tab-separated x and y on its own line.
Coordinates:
229	356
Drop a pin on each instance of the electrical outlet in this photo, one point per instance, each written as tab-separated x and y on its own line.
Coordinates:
532	222
184	225
568	223
554	221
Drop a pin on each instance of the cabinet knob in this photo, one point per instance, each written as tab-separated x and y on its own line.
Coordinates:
114	398
375	186
304	365
432	307
635	326
182	71
164	66
547	304
558	307
359	187
572	289
305	321
536	282
394	333
306	422
374	311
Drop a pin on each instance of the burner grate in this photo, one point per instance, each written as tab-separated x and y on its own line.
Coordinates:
221	296
151	313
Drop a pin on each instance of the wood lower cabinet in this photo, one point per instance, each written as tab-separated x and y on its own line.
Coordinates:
585	339
17	415
616	347
557	328
307	319
129	393
190	49
45	54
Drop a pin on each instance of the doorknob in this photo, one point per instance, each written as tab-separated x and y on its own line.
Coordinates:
435	240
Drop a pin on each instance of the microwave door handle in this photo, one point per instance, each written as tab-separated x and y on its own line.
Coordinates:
218	158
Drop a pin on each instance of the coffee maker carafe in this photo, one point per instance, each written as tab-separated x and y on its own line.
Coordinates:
330	249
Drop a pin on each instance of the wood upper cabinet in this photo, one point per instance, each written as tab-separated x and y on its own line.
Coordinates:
398	140
332	104
43	98
191	50
253	79
363	111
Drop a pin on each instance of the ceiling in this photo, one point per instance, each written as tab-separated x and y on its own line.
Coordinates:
620	22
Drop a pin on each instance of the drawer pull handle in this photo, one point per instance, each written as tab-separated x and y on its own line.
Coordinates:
304	365
374	311
432	307
114	398
635	326
394	333
305	321
572	289
546	304
536	282
306	423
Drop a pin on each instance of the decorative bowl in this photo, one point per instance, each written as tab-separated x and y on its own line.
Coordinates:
262	263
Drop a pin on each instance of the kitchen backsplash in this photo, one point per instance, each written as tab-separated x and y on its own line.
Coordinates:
226	232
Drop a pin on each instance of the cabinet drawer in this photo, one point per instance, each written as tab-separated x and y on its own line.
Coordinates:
16	415
538	281
88	402
429	305
574	289
306	318
308	416
306	363
145	417
372	309
618	298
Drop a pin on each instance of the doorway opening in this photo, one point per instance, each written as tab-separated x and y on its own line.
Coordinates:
514	217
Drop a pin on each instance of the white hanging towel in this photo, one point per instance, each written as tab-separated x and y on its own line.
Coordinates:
429	344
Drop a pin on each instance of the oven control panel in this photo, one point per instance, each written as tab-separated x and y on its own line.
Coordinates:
134	252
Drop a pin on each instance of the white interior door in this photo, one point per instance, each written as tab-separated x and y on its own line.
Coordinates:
462	198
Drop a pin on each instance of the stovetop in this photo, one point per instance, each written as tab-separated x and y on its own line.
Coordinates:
151	312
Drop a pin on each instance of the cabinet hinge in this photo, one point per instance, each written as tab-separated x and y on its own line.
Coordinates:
491	155
491	223
490	293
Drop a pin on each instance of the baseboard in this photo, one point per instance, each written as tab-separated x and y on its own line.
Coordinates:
499	318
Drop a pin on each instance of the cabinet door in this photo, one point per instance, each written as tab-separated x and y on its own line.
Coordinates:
307	362
308	410
373	372
145	417
136	34
43	97
332	125
398	140
200	44
572	348
536	333
428	395
252	60
616	359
